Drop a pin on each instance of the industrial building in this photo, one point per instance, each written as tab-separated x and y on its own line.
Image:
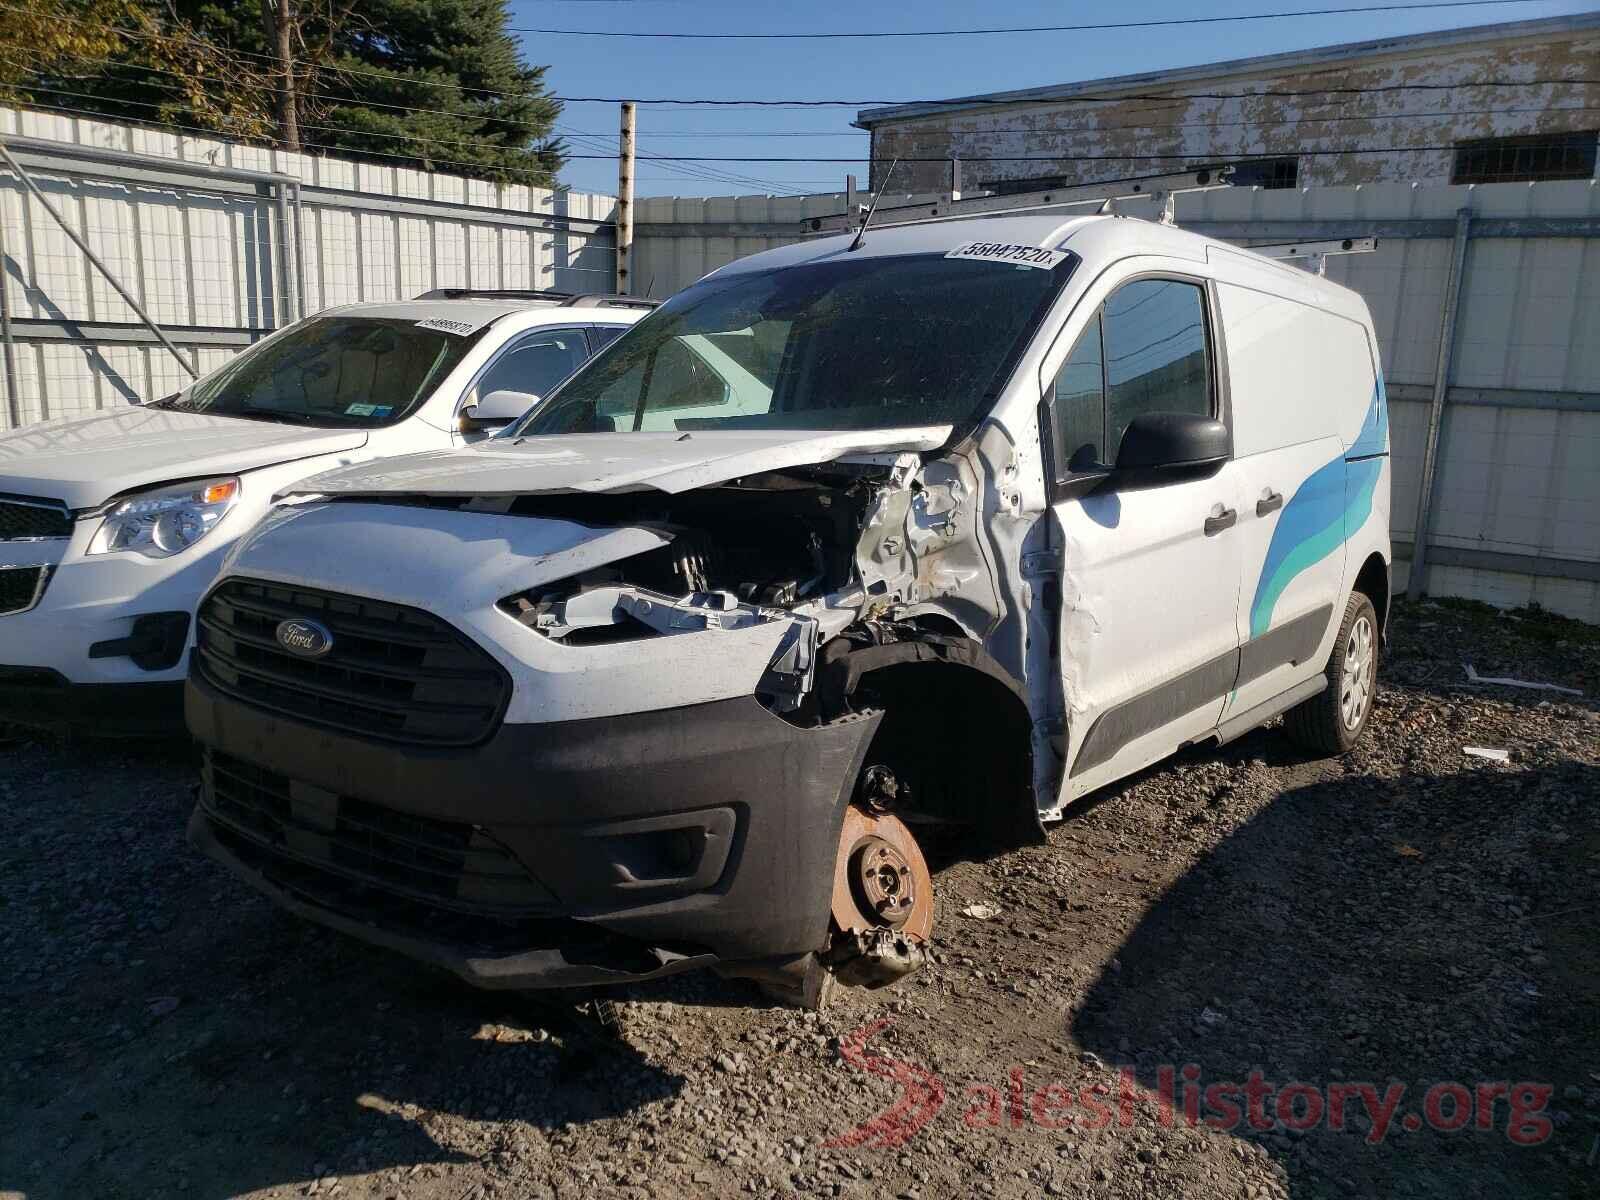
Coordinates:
1488	104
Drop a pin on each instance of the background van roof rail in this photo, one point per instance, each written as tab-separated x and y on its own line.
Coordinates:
565	299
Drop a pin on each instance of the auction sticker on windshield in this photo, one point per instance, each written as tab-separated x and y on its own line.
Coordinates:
446	325
1008	252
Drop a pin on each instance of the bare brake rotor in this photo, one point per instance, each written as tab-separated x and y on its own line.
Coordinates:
882	901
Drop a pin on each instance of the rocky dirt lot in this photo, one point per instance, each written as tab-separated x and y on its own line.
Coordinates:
1409	916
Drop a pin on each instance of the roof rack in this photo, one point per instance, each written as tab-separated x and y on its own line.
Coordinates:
1163	189
470	293
603	300
1316	252
564	299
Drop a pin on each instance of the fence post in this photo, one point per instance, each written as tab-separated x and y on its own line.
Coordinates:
10	348
1441	385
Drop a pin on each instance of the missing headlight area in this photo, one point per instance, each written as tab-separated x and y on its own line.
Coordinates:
831	550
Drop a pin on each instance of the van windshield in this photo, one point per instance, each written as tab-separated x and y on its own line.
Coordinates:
849	344
335	370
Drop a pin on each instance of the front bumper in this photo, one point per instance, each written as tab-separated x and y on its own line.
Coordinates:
85	626
576	852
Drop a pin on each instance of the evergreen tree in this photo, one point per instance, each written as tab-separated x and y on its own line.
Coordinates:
435	84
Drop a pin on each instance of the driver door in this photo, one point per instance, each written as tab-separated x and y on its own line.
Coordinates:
1148	644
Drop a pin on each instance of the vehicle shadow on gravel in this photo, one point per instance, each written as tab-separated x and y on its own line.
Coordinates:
170	1032
1419	930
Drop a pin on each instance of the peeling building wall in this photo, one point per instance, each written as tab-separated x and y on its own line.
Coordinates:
1081	141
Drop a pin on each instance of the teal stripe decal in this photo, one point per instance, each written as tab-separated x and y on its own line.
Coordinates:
1333	502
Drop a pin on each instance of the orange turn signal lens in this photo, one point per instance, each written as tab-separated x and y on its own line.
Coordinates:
216	493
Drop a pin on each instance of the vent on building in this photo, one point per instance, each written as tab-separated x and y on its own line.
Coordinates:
1267	173
1520	159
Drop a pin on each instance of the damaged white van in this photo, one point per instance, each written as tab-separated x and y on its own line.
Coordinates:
842	543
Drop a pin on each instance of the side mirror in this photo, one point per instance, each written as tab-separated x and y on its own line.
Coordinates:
499	407
1162	445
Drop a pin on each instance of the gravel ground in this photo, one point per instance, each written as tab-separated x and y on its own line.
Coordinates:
1407	916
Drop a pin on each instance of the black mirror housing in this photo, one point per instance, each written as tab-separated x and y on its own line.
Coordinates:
1172	442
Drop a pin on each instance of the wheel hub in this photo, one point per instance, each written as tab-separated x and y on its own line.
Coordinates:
883	882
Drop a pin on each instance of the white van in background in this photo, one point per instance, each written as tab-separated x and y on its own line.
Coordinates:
112	525
946	526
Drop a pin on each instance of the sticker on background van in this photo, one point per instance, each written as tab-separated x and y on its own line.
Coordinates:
1009	252
1333	502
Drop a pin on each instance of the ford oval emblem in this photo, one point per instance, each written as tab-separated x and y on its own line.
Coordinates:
305	638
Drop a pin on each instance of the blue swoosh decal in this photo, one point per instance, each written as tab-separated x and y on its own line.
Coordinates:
1333	502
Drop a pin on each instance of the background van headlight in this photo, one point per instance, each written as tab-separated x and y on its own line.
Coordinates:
164	521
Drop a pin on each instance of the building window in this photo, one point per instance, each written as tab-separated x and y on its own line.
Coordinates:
1267	173
1520	159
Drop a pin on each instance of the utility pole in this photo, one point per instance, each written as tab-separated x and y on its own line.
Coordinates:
625	199
278	17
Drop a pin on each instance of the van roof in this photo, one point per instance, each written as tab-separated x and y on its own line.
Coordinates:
1099	239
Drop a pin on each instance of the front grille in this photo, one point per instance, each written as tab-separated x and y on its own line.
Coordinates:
33	519
394	673
21	587
446	865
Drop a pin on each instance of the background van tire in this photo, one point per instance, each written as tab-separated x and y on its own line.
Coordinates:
1332	721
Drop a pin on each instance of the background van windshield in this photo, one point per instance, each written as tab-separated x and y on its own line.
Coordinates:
332	371
864	343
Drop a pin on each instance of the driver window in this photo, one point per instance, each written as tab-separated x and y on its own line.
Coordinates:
534	364
1144	352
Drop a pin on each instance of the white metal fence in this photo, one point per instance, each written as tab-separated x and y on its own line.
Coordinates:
1511	408
220	243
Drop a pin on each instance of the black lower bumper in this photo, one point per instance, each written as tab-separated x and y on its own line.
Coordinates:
40	698
559	854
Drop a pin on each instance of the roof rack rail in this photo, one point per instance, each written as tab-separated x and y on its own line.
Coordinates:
471	293
954	205
1315	252
604	300
566	299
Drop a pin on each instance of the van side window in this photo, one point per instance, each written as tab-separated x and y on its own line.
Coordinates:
1155	351
1078	407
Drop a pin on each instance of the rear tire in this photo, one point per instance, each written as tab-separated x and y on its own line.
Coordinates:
1332	721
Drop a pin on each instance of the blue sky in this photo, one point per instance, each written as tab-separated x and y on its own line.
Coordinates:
921	68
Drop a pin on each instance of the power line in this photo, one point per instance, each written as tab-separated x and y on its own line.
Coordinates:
977	102
1013	29
939	133
1198	161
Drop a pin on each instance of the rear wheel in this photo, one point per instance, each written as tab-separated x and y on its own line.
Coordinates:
1332	721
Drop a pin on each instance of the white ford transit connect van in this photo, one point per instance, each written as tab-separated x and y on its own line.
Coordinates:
838	544
111	526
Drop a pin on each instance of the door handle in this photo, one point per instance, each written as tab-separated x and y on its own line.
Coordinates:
1270	503
1223	520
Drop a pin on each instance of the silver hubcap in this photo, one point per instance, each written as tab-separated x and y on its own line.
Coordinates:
1360	664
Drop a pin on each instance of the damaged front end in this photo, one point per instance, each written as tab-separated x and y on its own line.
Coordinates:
733	712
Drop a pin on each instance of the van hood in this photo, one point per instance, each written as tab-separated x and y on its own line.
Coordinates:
613	462
85	461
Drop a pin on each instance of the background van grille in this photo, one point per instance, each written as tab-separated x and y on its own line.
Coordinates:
394	673
19	588
39	519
